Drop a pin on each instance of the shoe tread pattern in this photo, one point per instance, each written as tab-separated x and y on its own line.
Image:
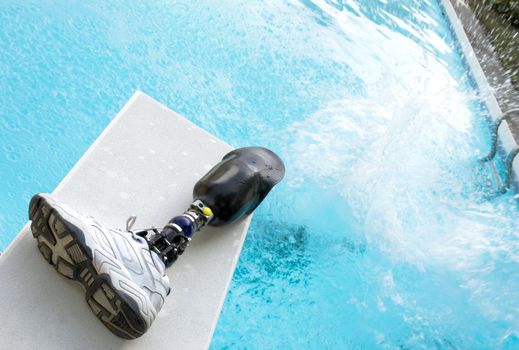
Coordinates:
62	245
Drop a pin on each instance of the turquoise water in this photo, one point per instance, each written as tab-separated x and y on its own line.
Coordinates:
382	234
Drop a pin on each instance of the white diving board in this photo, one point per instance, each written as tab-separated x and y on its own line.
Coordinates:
145	163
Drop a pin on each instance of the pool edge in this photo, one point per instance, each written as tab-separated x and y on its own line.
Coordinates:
486	92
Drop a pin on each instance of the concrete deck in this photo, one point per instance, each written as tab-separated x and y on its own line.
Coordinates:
480	66
498	79
145	163
496	44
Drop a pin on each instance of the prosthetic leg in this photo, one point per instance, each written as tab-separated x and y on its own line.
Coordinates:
123	271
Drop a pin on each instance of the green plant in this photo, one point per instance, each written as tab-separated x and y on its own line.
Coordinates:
509	8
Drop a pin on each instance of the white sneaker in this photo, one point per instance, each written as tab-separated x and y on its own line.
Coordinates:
124	281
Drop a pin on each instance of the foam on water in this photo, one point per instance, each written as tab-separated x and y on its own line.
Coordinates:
397	243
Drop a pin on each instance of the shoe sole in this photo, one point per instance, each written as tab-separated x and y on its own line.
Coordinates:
62	245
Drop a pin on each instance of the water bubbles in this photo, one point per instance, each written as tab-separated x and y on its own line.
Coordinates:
13	155
24	178
11	124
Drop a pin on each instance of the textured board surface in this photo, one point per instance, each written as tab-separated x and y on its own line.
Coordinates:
145	163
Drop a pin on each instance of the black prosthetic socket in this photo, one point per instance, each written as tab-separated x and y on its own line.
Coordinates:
239	183
230	190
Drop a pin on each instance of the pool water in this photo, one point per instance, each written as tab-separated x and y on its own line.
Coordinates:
382	235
